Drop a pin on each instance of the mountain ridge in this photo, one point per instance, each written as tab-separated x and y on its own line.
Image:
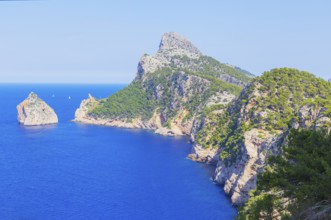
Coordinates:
235	122
168	80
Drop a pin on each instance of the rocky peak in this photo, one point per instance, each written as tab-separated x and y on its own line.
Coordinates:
34	111
329	80
173	41
171	48
32	94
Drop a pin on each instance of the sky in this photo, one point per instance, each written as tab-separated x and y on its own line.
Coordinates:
101	41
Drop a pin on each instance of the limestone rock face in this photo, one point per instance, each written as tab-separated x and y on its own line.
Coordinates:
82	111
175	117
202	155
179	45
232	80
34	111
172	48
182	86
239	176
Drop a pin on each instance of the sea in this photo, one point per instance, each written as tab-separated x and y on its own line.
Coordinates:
77	171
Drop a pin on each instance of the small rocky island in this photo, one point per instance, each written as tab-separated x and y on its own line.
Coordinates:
34	111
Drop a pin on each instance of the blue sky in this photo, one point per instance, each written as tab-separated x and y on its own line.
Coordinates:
101	41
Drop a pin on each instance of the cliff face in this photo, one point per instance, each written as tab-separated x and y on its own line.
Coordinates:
181	88
34	111
172	48
260	121
170	91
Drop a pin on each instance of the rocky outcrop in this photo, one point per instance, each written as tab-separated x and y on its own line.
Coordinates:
312	117
220	98
172	44
176	52
209	123
81	114
204	155
172	48
182	88
240	177
232	80
34	111
175	94
257	135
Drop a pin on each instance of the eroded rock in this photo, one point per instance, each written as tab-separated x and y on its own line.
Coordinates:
34	111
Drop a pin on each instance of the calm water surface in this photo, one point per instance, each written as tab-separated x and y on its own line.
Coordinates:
74	171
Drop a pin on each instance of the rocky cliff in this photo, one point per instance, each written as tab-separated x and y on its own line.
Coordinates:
257	124
34	111
170	92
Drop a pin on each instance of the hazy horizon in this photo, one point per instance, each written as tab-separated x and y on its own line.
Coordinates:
102	42
65	83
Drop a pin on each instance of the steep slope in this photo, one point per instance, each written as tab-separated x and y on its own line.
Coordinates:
296	183
255	125
170	91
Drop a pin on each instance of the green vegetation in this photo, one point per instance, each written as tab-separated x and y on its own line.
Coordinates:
285	91
128	103
161	90
216	132
217	85
296	184
281	93
214	67
208	66
167	79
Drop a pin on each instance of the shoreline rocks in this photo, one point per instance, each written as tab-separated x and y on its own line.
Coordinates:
34	111
82	116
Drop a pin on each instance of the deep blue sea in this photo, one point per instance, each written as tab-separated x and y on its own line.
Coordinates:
75	171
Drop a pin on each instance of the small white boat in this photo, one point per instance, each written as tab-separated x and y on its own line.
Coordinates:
69	97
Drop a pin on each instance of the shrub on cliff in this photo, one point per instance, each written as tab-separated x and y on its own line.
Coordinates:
295	184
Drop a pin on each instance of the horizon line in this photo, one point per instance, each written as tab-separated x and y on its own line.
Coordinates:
67	83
